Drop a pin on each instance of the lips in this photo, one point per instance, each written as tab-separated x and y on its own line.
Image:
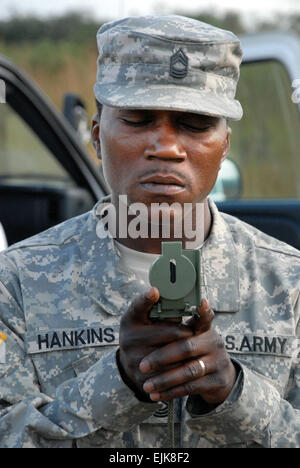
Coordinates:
167	184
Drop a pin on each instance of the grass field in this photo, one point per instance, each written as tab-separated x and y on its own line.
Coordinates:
58	69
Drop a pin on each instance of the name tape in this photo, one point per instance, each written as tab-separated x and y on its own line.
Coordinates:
55	340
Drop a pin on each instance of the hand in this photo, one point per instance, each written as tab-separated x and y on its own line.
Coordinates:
139	336
187	378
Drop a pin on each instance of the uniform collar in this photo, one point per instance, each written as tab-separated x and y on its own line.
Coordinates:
114	290
106	284
220	266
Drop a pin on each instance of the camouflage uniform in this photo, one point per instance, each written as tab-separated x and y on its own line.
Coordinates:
61	297
62	292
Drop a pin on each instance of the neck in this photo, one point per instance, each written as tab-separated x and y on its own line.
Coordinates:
192	236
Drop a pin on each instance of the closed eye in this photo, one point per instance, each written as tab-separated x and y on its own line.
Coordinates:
196	129
135	123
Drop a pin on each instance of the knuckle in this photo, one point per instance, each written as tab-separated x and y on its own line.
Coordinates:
177	332
211	314
191	386
189	347
160	383
218	382
136	304
220	342
222	363
221	381
191	369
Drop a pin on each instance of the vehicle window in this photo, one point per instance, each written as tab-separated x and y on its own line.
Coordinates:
23	155
265	143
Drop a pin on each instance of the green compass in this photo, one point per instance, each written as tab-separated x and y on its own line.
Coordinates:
176	274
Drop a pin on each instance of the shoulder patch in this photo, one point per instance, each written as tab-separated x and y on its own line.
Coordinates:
3	337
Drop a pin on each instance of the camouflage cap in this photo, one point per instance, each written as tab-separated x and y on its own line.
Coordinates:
168	62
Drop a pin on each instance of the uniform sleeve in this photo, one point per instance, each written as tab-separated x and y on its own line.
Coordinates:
91	402
256	412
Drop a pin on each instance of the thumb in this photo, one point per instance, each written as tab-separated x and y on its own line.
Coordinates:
140	307
202	322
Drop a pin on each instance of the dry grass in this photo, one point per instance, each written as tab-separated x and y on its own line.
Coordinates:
58	69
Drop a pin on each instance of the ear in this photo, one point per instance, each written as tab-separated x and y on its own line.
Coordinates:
227	144
95	135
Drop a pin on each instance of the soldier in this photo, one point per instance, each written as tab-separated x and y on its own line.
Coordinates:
84	365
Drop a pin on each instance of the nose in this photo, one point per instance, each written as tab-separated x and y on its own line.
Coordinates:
164	143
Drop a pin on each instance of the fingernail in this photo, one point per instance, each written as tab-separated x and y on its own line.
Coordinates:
155	396
148	386
145	367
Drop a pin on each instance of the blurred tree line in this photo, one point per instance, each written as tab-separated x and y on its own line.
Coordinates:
68	27
79	27
235	23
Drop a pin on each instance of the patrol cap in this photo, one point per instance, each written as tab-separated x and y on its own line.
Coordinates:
168	62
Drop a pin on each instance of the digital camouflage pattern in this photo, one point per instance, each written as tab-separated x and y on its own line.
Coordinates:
168	62
62	294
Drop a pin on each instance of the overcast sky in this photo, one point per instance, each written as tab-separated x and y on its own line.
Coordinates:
112	9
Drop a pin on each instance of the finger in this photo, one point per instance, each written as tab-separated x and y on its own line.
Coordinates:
194	387
191	370
168	332
141	306
178	351
157	334
214	388
203	321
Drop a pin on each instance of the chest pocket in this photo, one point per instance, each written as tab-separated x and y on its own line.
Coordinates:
62	354
271	356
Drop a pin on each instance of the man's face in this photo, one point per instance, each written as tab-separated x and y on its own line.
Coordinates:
160	156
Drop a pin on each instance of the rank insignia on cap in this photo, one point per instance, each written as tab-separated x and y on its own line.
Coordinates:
179	64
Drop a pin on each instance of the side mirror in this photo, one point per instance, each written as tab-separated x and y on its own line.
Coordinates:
228	185
75	112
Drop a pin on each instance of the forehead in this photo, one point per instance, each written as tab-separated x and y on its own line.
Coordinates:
171	113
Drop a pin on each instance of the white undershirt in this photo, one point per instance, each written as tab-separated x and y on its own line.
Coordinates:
137	262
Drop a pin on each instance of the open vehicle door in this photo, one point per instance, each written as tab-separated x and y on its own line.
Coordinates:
261	183
46	176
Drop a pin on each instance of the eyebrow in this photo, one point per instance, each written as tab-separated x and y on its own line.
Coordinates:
183	114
